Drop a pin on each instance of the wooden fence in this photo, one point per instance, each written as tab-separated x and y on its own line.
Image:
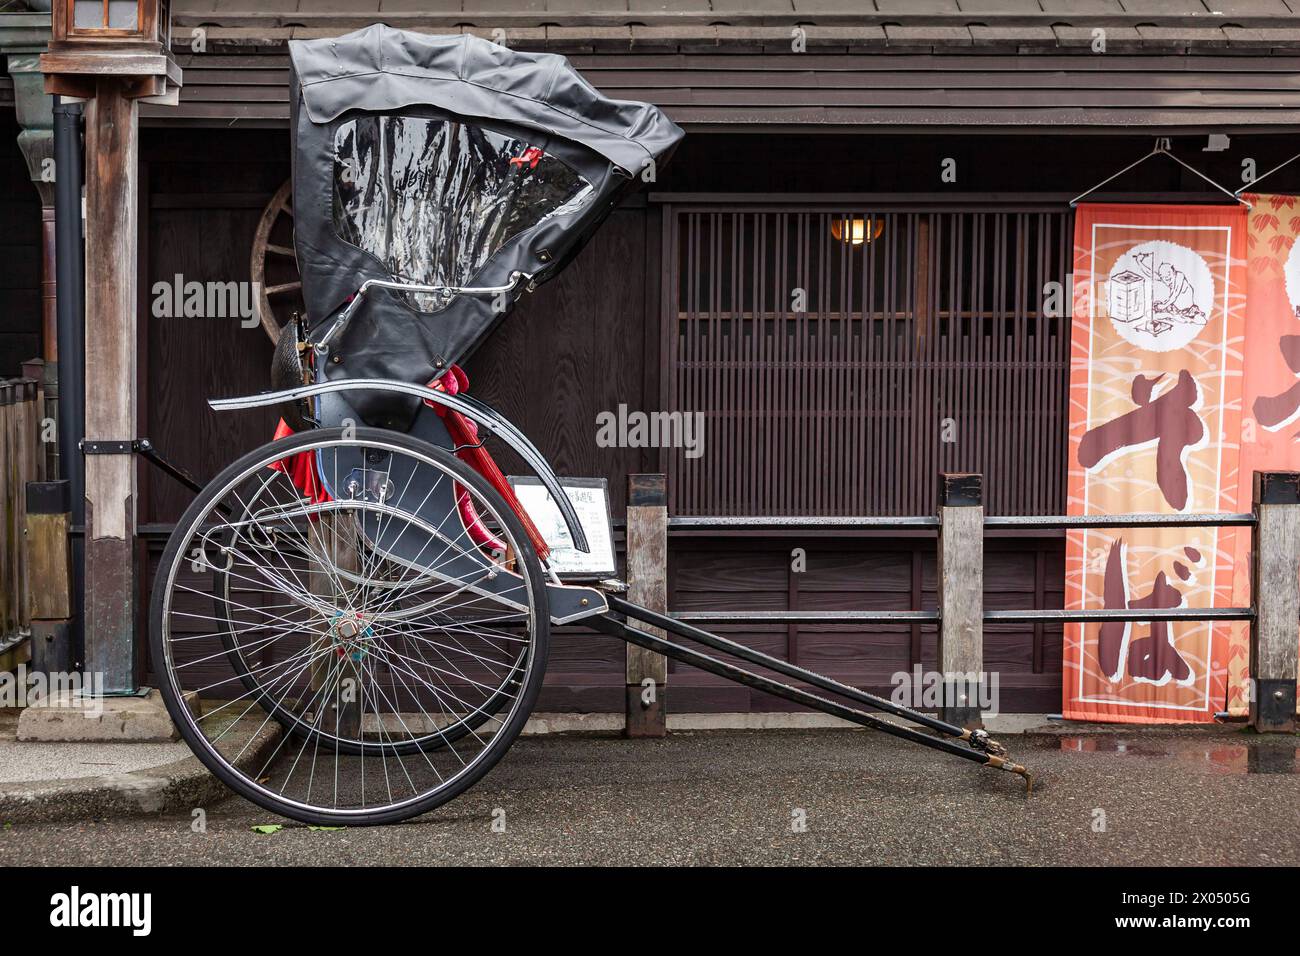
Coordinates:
961	616
22	459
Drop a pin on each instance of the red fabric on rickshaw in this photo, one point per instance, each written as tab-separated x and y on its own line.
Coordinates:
301	469
465	434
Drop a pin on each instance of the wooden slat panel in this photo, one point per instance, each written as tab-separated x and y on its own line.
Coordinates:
867	574
841	88
839	379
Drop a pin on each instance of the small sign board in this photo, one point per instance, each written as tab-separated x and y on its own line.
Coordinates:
590	498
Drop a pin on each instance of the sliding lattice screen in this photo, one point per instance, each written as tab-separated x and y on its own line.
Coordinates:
841	379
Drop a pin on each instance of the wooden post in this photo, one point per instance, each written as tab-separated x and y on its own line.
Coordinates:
961	596
1275	632
336	677
111	369
49	566
647	578
110	59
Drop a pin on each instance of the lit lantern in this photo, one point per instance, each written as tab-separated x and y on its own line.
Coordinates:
857	231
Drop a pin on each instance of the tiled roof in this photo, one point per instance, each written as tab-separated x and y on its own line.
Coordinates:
747	11
1167	64
1163	25
958	16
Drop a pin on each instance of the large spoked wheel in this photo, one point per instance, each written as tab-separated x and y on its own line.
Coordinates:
228	586
390	623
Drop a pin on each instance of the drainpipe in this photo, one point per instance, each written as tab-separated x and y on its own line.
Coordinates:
71	283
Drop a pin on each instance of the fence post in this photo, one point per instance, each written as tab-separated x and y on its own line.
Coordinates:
961	596
647	578
49	566
1275	632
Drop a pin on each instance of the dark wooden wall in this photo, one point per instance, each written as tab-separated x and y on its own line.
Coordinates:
205	195
867	573
576	347
582	344
20	256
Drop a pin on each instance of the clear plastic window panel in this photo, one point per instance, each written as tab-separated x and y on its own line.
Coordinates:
434	199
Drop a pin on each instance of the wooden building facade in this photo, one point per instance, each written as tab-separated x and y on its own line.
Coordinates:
833	377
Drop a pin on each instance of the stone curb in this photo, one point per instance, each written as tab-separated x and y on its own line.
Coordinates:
180	785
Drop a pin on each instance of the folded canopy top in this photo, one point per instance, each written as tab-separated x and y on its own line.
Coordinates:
382	70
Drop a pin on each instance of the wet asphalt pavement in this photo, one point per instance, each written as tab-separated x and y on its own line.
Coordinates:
1223	797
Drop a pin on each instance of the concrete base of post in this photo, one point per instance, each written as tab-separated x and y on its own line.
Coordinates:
141	718
1273	710
645	719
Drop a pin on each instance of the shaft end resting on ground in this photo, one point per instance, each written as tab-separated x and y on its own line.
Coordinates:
1002	763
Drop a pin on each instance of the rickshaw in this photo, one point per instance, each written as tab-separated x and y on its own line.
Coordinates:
351	623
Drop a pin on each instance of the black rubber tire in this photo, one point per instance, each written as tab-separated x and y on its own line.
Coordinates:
502	740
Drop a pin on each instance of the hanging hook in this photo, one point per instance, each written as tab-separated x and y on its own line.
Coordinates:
1162	147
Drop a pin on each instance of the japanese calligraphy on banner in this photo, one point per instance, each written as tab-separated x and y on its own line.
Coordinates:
1155	419
1270	426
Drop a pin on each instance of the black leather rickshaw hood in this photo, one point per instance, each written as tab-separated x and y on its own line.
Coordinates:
538	97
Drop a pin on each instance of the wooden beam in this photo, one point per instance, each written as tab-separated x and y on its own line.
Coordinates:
112	148
1275	633
647	577
961	596
108	64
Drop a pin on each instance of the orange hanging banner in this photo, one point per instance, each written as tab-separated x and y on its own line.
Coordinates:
1270	423
1155	416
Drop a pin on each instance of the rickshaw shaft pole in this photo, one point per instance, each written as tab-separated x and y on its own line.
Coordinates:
785	668
731	672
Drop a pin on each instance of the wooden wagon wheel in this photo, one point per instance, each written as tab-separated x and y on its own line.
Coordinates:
274	264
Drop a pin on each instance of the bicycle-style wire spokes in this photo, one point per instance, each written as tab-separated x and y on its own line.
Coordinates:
369	626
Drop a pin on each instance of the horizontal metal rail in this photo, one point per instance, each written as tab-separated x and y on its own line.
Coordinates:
786	523
1028	616
1106	614
809	617
1225	519
1222	519
800	523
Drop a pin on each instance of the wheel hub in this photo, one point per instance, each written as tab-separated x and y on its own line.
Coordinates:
350	632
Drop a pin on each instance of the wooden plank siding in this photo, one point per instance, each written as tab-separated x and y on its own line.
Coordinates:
712	574
586	343
899	90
